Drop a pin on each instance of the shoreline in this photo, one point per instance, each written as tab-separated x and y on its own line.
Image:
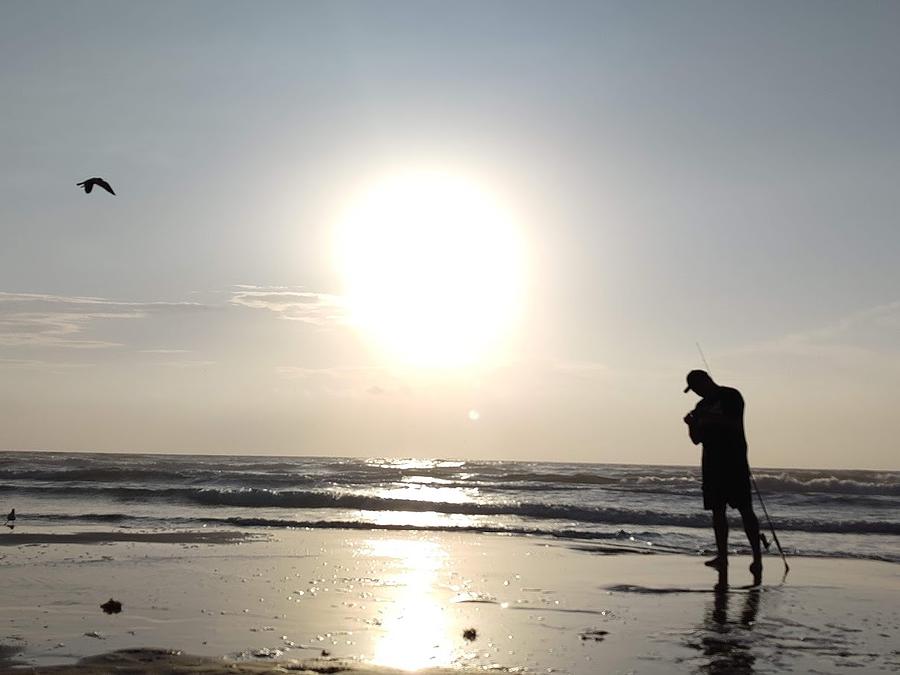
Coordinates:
211	536
229	535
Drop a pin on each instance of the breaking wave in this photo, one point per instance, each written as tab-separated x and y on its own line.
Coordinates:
602	515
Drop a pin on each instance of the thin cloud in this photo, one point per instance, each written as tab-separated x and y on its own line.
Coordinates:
333	373
41	365
7	298
869	336
37	319
320	309
585	369
43	320
185	364
343	380
877	317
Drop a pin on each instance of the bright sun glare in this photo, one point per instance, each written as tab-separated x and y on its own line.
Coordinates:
433	268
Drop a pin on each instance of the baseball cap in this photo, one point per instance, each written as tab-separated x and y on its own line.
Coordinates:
695	377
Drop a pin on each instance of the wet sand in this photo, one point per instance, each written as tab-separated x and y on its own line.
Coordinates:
276	601
167	662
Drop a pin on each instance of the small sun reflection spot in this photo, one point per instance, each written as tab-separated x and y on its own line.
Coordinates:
474	415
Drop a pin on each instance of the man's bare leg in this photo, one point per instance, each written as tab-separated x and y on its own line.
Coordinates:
720	527
720	562
722	581
751	528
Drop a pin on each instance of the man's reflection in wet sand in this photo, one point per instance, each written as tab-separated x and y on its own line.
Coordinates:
727	644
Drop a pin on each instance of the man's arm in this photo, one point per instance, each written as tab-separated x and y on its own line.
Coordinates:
731	417
693	422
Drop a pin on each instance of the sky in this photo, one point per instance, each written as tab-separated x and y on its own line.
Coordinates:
667	174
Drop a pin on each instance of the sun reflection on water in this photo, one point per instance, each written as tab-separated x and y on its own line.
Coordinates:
407	463
428	493
414	628
423	519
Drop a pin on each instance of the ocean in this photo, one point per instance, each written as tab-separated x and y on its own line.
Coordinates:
658	509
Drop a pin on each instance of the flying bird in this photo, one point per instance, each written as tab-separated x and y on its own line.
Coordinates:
11	519
89	184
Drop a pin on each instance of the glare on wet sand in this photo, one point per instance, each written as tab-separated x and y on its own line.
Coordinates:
415	627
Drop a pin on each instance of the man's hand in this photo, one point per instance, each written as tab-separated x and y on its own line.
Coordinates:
693	422
714	421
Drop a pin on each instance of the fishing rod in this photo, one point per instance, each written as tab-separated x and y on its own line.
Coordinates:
787	568
762	536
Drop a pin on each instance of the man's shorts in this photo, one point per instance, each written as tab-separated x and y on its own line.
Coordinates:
726	484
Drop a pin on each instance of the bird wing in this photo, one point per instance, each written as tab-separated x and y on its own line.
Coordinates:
88	186
106	186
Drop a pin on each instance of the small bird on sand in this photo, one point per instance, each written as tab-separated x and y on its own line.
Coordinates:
11	519
89	184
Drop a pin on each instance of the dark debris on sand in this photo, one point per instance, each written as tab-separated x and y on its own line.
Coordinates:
594	635
111	606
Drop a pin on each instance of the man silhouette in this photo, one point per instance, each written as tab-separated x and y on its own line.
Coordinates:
718	423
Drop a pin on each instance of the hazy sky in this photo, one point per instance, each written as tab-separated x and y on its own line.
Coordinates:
696	171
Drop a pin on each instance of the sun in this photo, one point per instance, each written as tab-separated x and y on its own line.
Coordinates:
433	268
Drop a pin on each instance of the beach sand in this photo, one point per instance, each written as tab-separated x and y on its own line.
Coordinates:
335	600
